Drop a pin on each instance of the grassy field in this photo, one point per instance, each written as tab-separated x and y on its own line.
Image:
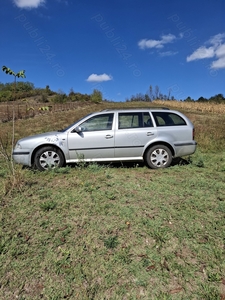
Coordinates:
125	232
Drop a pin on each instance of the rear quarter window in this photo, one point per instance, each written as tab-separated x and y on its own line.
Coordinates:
168	119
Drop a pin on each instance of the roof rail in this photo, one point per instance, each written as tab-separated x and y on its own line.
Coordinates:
135	108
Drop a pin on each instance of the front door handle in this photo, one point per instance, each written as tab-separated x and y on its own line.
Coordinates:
109	136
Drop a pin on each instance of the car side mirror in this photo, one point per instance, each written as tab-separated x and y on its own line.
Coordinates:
77	129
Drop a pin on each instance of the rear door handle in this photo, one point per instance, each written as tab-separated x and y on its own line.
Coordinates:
109	136
150	133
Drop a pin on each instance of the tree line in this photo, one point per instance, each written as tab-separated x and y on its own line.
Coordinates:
44	95
156	94
219	98
153	93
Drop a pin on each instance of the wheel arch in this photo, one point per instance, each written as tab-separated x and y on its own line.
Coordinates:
42	146
159	143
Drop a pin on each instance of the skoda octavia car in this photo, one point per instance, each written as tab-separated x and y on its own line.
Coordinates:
154	136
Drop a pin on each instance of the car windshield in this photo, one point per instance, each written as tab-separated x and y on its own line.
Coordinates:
72	125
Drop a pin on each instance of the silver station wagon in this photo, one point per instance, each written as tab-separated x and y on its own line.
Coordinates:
154	136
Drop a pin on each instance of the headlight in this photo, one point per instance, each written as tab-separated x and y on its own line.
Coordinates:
18	146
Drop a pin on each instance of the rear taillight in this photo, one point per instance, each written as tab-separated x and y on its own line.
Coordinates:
193	133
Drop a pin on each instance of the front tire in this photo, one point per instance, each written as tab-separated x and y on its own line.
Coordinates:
48	158
158	156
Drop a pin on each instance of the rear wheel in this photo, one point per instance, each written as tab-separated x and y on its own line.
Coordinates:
158	156
48	158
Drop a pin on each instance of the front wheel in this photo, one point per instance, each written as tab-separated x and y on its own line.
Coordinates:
48	158
158	156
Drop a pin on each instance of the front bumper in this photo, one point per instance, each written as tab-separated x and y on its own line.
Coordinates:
22	157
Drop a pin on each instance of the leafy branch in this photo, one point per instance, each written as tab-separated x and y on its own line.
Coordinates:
20	74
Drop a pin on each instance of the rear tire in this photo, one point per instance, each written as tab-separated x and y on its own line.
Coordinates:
48	158
158	156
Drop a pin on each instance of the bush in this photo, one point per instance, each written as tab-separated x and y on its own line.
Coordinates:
59	98
6	96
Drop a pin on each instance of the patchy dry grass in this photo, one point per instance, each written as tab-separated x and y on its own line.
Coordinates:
204	107
209	126
115	232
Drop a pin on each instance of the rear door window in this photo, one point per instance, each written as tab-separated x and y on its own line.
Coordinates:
134	120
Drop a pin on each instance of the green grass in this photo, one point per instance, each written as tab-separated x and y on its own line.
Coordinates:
101	232
115	232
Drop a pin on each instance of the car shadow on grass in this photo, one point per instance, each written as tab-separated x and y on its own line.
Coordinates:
178	161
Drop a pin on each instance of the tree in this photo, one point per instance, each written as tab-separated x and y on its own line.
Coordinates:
60	97
217	98
188	99
24	86
169	93
160	96
47	90
151	93
202	99
20	74
96	96
147	98
157	92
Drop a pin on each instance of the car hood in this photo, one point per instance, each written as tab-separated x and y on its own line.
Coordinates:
50	137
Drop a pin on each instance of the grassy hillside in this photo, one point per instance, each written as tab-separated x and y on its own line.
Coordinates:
115	231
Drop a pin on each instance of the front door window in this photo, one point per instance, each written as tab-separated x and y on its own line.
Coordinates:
97	123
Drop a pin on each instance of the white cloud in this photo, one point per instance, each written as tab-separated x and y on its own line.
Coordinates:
165	39
219	63
217	39
216	50
149	44
201	53
168	38
220	51
28	3
99	78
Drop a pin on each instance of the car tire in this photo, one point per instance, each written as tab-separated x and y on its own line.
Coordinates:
158	156
48	158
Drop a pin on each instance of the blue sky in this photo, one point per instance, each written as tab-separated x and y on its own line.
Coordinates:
119	47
